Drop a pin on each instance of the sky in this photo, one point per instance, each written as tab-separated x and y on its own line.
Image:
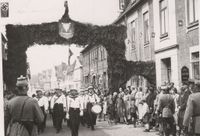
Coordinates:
99	12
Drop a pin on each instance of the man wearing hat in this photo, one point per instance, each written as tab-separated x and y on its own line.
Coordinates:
74	111
91	99
192	112
43	103
24	113
166	108
83	101
58	104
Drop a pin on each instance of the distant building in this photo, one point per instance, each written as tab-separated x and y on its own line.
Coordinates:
60	72
137	17
73	75
95	66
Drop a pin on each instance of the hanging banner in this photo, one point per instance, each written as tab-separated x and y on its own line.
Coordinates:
66	30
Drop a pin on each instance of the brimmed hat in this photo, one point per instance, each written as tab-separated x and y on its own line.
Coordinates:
37	91
90	87
73	92
191	81
58	89
22	81
163	87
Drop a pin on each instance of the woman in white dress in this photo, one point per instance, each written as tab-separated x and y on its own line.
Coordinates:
138	100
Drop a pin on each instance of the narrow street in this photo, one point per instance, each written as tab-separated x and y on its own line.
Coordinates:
102	129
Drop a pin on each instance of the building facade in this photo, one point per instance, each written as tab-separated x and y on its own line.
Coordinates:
176	26
94	71
73	75
137	17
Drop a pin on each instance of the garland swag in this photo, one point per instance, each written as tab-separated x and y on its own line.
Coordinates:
112	37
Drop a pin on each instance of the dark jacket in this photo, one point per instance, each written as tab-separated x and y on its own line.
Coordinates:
31	112
193	108
166	100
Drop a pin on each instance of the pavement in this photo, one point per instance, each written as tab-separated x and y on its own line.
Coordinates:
101	129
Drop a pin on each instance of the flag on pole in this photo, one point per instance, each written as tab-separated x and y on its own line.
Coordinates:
70	53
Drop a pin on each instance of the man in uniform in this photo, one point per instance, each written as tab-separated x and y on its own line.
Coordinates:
43	103
192	112
82	98
166	107
58	105
74	111
24	113
91	99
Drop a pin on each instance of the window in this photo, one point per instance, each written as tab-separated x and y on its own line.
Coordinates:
146	27
192	11
163	18
195	66
133	34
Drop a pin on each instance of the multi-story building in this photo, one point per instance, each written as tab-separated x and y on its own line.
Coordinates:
176	26
73	75
94	72
138	18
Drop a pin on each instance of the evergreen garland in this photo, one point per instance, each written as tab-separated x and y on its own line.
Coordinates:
112	37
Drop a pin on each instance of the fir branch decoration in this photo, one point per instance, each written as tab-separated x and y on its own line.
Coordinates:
112	37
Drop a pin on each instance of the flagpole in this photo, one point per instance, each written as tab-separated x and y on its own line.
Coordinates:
1	86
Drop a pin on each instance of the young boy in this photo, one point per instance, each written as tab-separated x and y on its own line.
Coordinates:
133	112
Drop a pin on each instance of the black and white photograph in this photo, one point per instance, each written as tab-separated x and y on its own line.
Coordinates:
99	68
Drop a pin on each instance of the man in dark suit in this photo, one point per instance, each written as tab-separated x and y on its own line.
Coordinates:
192	111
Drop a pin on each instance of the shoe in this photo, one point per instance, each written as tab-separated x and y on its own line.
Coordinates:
146	130
57	131
92	128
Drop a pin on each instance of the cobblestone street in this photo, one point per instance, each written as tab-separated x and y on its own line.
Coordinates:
102	129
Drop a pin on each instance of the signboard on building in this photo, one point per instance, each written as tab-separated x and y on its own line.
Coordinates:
184	74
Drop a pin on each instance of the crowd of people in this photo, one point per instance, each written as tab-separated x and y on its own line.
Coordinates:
165	109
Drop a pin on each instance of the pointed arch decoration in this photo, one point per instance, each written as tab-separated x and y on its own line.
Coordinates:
112	37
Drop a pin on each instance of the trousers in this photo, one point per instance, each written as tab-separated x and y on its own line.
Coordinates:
58	115
91	116
74	120
42	126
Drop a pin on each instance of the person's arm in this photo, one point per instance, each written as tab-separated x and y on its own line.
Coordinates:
188	112
184	103
97	99
173	106
159	106
64	102
38	114
81	106
46	104
7	116
52	103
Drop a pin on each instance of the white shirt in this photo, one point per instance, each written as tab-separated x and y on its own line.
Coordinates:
92	98
43	101
59	100
74	103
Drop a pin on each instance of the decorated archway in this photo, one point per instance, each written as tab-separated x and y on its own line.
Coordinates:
112	37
